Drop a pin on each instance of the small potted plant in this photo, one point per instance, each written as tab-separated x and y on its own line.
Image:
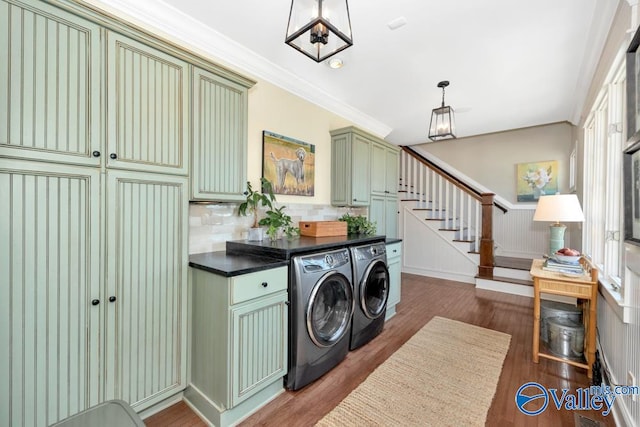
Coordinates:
275	220
358	224
252	205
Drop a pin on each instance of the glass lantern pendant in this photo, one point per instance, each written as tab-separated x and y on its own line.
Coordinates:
443	125
319	28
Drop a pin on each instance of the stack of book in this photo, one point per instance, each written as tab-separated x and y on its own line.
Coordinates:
552	264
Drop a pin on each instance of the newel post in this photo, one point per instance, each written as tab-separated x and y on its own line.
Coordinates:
485	269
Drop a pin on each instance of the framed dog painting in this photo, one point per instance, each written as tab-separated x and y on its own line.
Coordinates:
289	164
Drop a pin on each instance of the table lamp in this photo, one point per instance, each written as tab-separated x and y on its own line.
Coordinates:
556	208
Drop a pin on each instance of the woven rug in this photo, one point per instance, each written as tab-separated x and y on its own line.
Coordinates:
445	375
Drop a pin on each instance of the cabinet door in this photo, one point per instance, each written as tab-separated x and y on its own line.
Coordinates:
376	214
391	168
259	354
49	274
378	169
49	85
391	216
360	171
148	104
219	159
147	274
393	264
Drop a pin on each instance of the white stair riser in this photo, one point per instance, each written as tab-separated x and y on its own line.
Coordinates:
512	273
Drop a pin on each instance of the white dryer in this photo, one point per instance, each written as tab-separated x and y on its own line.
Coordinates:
371	289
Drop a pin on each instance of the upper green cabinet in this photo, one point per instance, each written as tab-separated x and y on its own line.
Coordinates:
350	166
49	85
384	169
219	163
147	108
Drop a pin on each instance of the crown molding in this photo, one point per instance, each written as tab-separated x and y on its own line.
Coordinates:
169	22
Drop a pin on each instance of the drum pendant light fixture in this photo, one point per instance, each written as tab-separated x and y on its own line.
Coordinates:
319	28
442	124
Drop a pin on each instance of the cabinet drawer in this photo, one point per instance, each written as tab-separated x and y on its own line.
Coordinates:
394	250
258	284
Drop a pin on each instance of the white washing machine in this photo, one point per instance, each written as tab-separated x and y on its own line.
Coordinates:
320	311
371	290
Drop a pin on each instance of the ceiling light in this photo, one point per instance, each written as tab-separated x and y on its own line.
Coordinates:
319	28
336	63
442	124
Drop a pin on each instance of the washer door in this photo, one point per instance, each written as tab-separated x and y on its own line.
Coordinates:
329	309
374	289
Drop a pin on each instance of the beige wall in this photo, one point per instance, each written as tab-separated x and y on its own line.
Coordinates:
274	109
491	159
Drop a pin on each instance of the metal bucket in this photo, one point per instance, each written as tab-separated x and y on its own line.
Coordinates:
566	337
556	309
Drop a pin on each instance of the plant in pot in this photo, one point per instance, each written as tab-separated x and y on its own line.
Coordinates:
275	219
358	224
252	203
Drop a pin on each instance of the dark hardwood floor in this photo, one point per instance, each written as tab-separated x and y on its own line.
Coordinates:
422	299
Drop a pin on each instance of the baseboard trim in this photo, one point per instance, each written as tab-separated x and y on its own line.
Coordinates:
440	274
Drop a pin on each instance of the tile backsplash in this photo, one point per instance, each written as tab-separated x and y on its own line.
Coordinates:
211	225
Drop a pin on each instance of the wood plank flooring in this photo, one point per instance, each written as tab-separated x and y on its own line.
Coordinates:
422	299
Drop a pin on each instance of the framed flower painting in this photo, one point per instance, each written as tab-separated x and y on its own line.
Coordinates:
536	179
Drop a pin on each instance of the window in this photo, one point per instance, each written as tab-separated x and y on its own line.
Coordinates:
602	179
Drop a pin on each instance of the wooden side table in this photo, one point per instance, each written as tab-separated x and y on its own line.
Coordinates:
585	288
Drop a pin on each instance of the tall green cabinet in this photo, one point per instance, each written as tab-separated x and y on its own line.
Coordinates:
96	128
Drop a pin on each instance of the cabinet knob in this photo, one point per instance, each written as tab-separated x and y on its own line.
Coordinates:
265	284
112	298
95	302
96	153
113	156
394	251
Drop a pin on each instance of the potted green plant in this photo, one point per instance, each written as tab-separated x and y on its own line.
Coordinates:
252	203
275	219
358	224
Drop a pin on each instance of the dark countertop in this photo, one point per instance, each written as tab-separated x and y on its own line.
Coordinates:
285	248
229	265
391	240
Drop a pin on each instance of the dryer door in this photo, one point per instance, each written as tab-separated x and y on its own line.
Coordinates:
374	289
329	310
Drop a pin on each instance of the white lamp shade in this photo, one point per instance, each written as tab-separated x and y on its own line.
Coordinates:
559	208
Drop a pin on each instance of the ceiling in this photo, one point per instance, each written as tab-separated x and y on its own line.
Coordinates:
511	63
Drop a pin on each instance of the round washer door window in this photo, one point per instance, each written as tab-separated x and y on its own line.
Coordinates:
374	289
329	310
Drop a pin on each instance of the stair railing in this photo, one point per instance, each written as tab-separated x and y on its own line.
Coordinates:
457	204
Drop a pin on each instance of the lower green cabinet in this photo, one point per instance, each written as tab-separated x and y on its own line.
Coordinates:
239	342
394	258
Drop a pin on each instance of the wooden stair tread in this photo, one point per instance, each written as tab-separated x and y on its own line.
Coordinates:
508	280
512	262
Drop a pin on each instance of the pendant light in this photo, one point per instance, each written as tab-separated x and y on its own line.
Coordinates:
442	124
319	28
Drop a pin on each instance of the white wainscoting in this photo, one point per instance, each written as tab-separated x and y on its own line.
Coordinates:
620	343
516	234
428	253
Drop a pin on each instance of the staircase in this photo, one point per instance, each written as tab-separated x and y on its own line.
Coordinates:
447	228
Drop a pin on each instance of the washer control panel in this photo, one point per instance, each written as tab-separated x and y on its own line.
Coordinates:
370	252
325	261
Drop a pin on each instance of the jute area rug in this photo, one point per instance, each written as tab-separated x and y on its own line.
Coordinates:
445	375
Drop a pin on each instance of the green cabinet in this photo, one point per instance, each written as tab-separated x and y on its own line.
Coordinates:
239	342
350	167
146	265
384	183
49	85
148	104
51	299
394	264
219	154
